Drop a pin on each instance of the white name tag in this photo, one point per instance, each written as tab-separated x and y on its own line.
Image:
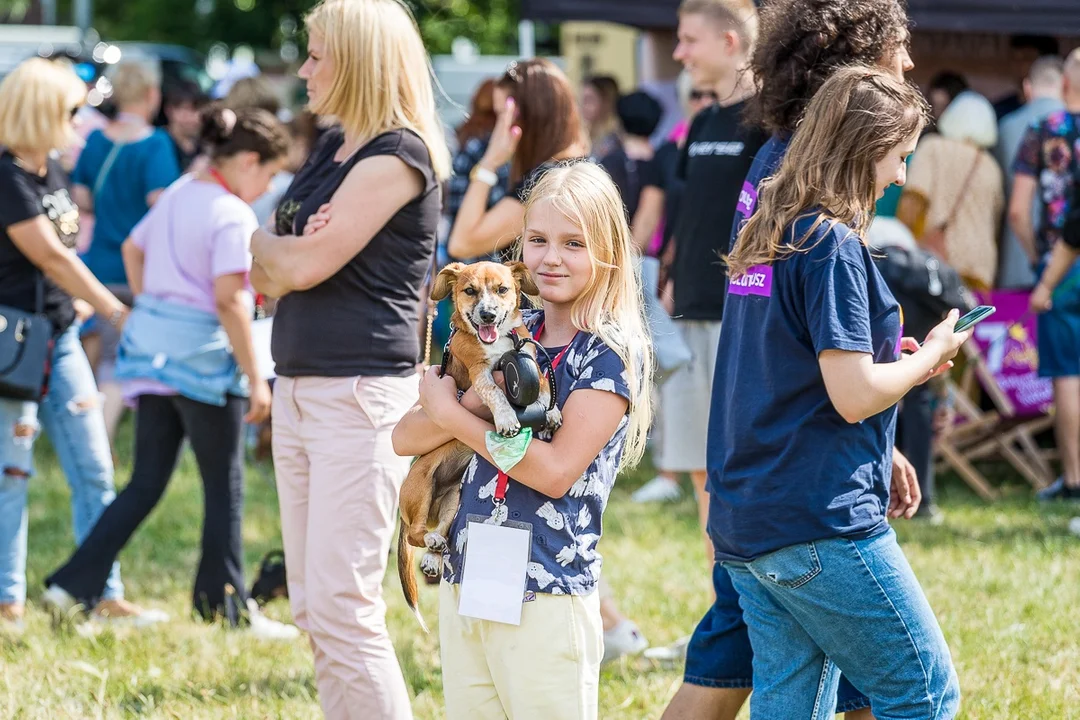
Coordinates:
493	579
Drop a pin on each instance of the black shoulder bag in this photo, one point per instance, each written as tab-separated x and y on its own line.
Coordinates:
26	341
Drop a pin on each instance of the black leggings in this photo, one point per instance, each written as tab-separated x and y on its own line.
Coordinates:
216	435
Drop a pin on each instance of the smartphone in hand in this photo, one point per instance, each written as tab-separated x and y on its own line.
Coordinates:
975	316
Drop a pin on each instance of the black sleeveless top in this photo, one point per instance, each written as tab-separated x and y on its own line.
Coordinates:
363	319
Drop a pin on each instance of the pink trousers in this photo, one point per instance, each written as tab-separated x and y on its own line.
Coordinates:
338	480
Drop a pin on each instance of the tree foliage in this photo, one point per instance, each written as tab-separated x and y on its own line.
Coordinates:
265	24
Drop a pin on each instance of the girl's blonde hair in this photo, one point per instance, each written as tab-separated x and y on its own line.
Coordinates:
383	77
853	121
611	306
37	101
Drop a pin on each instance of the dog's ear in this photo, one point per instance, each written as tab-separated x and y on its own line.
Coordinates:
445	280
524	279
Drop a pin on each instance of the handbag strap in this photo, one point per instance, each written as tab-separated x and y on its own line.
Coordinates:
107	166
963	190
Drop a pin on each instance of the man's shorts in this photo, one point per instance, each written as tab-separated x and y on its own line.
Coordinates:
720	656
1058	330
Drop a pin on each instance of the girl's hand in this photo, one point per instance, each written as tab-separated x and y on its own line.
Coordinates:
1041	299
438	397
83	310
504	139
318	220
905	496
259	405
944	342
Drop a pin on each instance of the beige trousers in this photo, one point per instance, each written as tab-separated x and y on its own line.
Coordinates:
546	668
338	480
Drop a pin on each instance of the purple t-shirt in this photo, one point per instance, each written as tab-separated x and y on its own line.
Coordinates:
195	233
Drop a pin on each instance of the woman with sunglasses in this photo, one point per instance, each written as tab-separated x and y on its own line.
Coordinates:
540	126
39	272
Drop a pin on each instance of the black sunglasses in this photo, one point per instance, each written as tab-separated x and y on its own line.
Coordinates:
697	95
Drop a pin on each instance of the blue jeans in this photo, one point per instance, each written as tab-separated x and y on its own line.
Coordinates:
720	656
816	609
71	416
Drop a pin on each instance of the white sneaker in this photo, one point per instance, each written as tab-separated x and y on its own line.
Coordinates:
623	639
59	601
659	489
263	628
672	653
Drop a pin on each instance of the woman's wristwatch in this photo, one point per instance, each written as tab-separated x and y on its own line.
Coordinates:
482	174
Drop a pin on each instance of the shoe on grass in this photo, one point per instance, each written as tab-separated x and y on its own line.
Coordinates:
659	489
263	628
673	653
1058	490
122	612
623	639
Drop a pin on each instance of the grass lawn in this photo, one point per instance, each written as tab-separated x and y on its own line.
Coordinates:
1004	580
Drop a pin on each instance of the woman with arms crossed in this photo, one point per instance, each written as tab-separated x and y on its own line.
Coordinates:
345	343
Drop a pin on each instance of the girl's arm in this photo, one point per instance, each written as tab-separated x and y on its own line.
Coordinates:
477	231
859	388
37	240
417	434
590	418
232	300
372	193
134	262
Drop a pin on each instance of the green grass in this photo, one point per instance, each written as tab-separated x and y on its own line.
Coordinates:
1004	580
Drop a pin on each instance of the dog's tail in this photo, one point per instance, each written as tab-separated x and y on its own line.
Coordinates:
407	575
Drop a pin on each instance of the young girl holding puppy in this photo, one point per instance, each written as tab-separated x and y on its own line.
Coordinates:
577	247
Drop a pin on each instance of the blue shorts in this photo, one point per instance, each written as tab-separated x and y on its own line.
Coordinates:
719	654
1058	330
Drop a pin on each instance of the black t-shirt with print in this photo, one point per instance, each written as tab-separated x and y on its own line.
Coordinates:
23	196
363	319
718	152
666	177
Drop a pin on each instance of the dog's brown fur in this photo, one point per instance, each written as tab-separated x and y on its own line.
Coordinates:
431	492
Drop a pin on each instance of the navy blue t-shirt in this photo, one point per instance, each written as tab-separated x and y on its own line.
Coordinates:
784	467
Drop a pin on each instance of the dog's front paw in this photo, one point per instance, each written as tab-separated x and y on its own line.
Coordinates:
553	419
431	564
435	542
506	422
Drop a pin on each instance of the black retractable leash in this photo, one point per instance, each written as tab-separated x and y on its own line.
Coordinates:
522	376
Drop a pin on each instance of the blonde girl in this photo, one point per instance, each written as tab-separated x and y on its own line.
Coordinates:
578	249
344	339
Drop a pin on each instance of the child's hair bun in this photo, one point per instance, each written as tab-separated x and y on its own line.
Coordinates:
217	125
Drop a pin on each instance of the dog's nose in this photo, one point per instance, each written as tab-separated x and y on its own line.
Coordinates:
487	317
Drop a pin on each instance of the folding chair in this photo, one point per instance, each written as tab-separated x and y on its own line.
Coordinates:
1002	361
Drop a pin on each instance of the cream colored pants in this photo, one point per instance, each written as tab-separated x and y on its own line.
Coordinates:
338	480
547	668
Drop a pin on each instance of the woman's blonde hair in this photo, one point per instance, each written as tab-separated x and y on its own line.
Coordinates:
611	306
853	121
37	101
383	77
970	118
132	82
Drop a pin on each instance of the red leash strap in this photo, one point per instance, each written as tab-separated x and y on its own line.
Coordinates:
503	480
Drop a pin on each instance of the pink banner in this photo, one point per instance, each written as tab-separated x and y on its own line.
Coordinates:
1006	340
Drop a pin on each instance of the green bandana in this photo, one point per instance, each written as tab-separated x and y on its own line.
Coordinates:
507	452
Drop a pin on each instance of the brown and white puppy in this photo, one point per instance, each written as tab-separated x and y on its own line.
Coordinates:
486	320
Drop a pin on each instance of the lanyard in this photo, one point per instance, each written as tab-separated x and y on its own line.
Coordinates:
503	480
219	179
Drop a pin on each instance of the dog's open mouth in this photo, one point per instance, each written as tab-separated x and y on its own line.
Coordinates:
487	333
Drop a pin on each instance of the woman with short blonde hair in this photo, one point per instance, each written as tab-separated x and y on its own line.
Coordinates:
955	195
355	235
40	273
